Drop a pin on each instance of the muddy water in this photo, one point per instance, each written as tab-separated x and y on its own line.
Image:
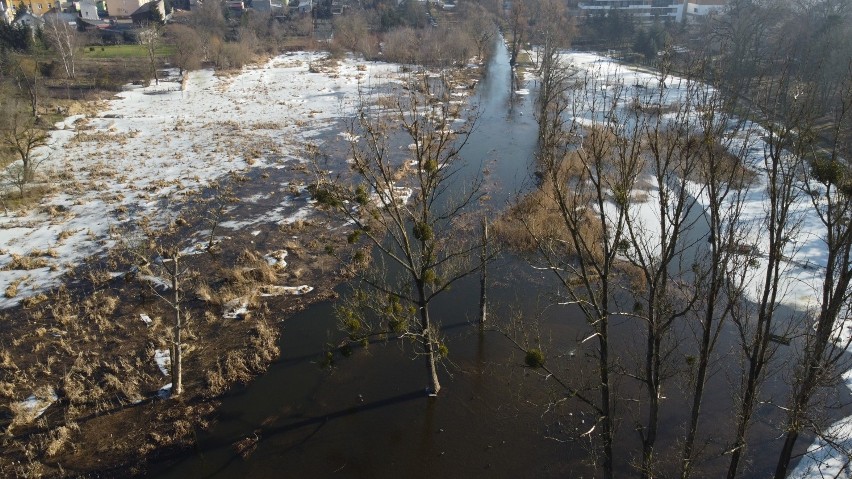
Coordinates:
368	416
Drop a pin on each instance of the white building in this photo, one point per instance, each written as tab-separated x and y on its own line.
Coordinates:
702	8
645	9
88	10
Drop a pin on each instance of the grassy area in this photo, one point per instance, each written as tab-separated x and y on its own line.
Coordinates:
124	51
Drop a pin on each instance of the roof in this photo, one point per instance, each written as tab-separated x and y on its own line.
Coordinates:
95	23
65	17
29	19
147	8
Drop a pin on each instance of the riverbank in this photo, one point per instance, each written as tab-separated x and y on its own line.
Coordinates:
217	166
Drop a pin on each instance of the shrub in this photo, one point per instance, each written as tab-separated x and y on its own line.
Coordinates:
534	358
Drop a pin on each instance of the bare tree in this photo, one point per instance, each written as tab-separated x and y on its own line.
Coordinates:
481	27
26	75
158	257
723	172
188	47
62	38
169	261
401	45
421	238
20	137
352	32
151	37
518	26
782	166
825	342
588	189
659	251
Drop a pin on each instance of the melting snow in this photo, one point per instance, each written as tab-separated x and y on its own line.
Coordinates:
807	255
163	358
37	405
276	259
110	174
272	290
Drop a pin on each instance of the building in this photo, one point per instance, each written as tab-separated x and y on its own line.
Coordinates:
88	10
35	7
30	20
644	9
701	8
123	8
154	11
267	6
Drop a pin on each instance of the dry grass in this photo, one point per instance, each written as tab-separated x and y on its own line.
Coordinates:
58	439
26	263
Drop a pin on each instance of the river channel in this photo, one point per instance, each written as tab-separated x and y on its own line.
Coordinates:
368	415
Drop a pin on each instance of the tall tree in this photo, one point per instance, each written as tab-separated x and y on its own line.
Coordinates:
826	344
419	237
723	172
659	249
62	38
188	48
588	189
151	37
518	28
782	165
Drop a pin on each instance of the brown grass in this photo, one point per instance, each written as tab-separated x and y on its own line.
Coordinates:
26	263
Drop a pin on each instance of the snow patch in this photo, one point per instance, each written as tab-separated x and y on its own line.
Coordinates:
272	290
163	358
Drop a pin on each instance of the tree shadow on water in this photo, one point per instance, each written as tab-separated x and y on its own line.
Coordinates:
311	425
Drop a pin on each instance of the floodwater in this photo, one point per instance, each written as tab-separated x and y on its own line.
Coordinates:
368	416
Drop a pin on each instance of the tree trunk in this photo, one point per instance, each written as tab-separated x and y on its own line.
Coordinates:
717	278
483	279
698	394
176	359
649	437
428	339
606	420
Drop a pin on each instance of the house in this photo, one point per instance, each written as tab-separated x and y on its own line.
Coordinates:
154	11
30	20
69	18
693	9
87	10
235	5
305	6
123	8
266	6
643	9
39	7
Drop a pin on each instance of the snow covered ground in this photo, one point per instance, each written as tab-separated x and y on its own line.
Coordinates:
151	145
801	281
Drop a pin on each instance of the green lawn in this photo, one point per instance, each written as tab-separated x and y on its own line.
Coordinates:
124	51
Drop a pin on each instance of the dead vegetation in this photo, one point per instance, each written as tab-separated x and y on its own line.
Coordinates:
87	358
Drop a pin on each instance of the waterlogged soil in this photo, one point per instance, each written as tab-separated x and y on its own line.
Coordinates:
87	350
254	248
